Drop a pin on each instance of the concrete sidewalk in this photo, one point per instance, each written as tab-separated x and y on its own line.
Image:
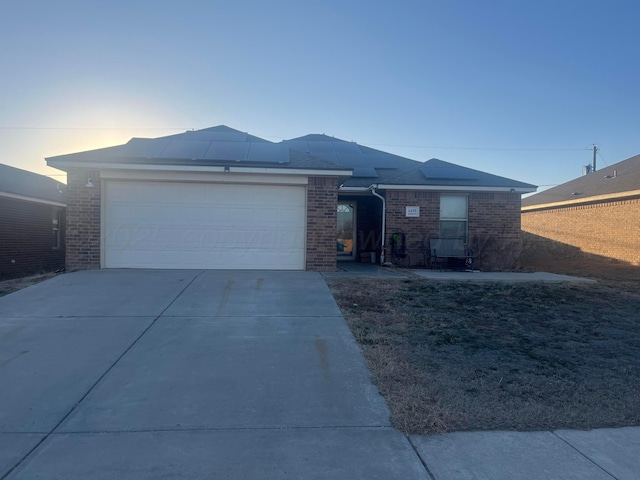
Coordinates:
368	270
603	454
248	375
365	270
477	276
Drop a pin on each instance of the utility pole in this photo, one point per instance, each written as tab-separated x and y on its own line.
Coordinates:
595	151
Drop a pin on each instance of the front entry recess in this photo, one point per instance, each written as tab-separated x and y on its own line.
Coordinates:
345	242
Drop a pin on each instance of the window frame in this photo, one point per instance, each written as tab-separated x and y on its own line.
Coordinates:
56	224
457	219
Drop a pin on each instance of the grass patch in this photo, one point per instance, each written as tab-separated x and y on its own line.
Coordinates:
452	356
15	284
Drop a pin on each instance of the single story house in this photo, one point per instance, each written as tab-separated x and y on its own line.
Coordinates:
32	223
221	198
597	213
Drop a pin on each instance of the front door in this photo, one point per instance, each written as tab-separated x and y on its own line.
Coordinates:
346	240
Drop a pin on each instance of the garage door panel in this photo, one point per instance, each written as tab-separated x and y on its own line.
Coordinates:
156	246
171	225
193	259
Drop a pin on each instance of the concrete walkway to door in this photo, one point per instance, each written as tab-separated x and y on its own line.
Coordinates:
189	374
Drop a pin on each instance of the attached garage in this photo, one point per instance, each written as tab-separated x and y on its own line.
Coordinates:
215	198
164	224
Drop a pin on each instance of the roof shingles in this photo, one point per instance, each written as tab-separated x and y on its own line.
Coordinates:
222	145
615	179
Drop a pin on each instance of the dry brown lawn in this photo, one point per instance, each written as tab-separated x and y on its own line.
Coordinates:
15	284
451	356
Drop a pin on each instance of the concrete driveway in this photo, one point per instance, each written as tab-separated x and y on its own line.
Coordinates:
189	374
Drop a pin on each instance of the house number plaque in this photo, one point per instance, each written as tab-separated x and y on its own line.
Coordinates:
412	211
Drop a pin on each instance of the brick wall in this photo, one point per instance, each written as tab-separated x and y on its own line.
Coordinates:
322	204
610	229
494	230
418	230
83	220
26	238
493	223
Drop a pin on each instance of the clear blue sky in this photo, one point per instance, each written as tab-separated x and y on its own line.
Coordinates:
515	88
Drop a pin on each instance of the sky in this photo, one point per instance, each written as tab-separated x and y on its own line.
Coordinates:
521	89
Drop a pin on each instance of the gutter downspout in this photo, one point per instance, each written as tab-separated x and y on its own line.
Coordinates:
372	189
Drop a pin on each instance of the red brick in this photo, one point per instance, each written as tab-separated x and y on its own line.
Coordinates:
610	229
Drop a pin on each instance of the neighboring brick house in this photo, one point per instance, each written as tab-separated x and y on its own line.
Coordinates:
221	198
598	213
32	223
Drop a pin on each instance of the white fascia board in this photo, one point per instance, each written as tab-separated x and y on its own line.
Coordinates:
200	177
354	189
578	201
449	188
208	168
32	199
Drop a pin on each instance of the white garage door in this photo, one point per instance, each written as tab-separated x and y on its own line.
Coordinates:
194	225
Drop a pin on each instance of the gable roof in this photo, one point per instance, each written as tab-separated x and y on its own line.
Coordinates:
22	183
221	145
620	179
371	166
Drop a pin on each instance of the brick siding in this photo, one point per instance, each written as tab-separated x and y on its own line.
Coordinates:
418	230
493	224
610	229
83	220
494	230
322	218
26	238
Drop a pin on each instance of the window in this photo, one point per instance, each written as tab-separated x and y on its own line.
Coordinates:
345	240
453	216
56	217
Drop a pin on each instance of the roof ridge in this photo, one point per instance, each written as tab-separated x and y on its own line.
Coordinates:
623	176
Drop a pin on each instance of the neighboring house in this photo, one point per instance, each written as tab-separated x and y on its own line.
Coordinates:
598	213
220	198
32	223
